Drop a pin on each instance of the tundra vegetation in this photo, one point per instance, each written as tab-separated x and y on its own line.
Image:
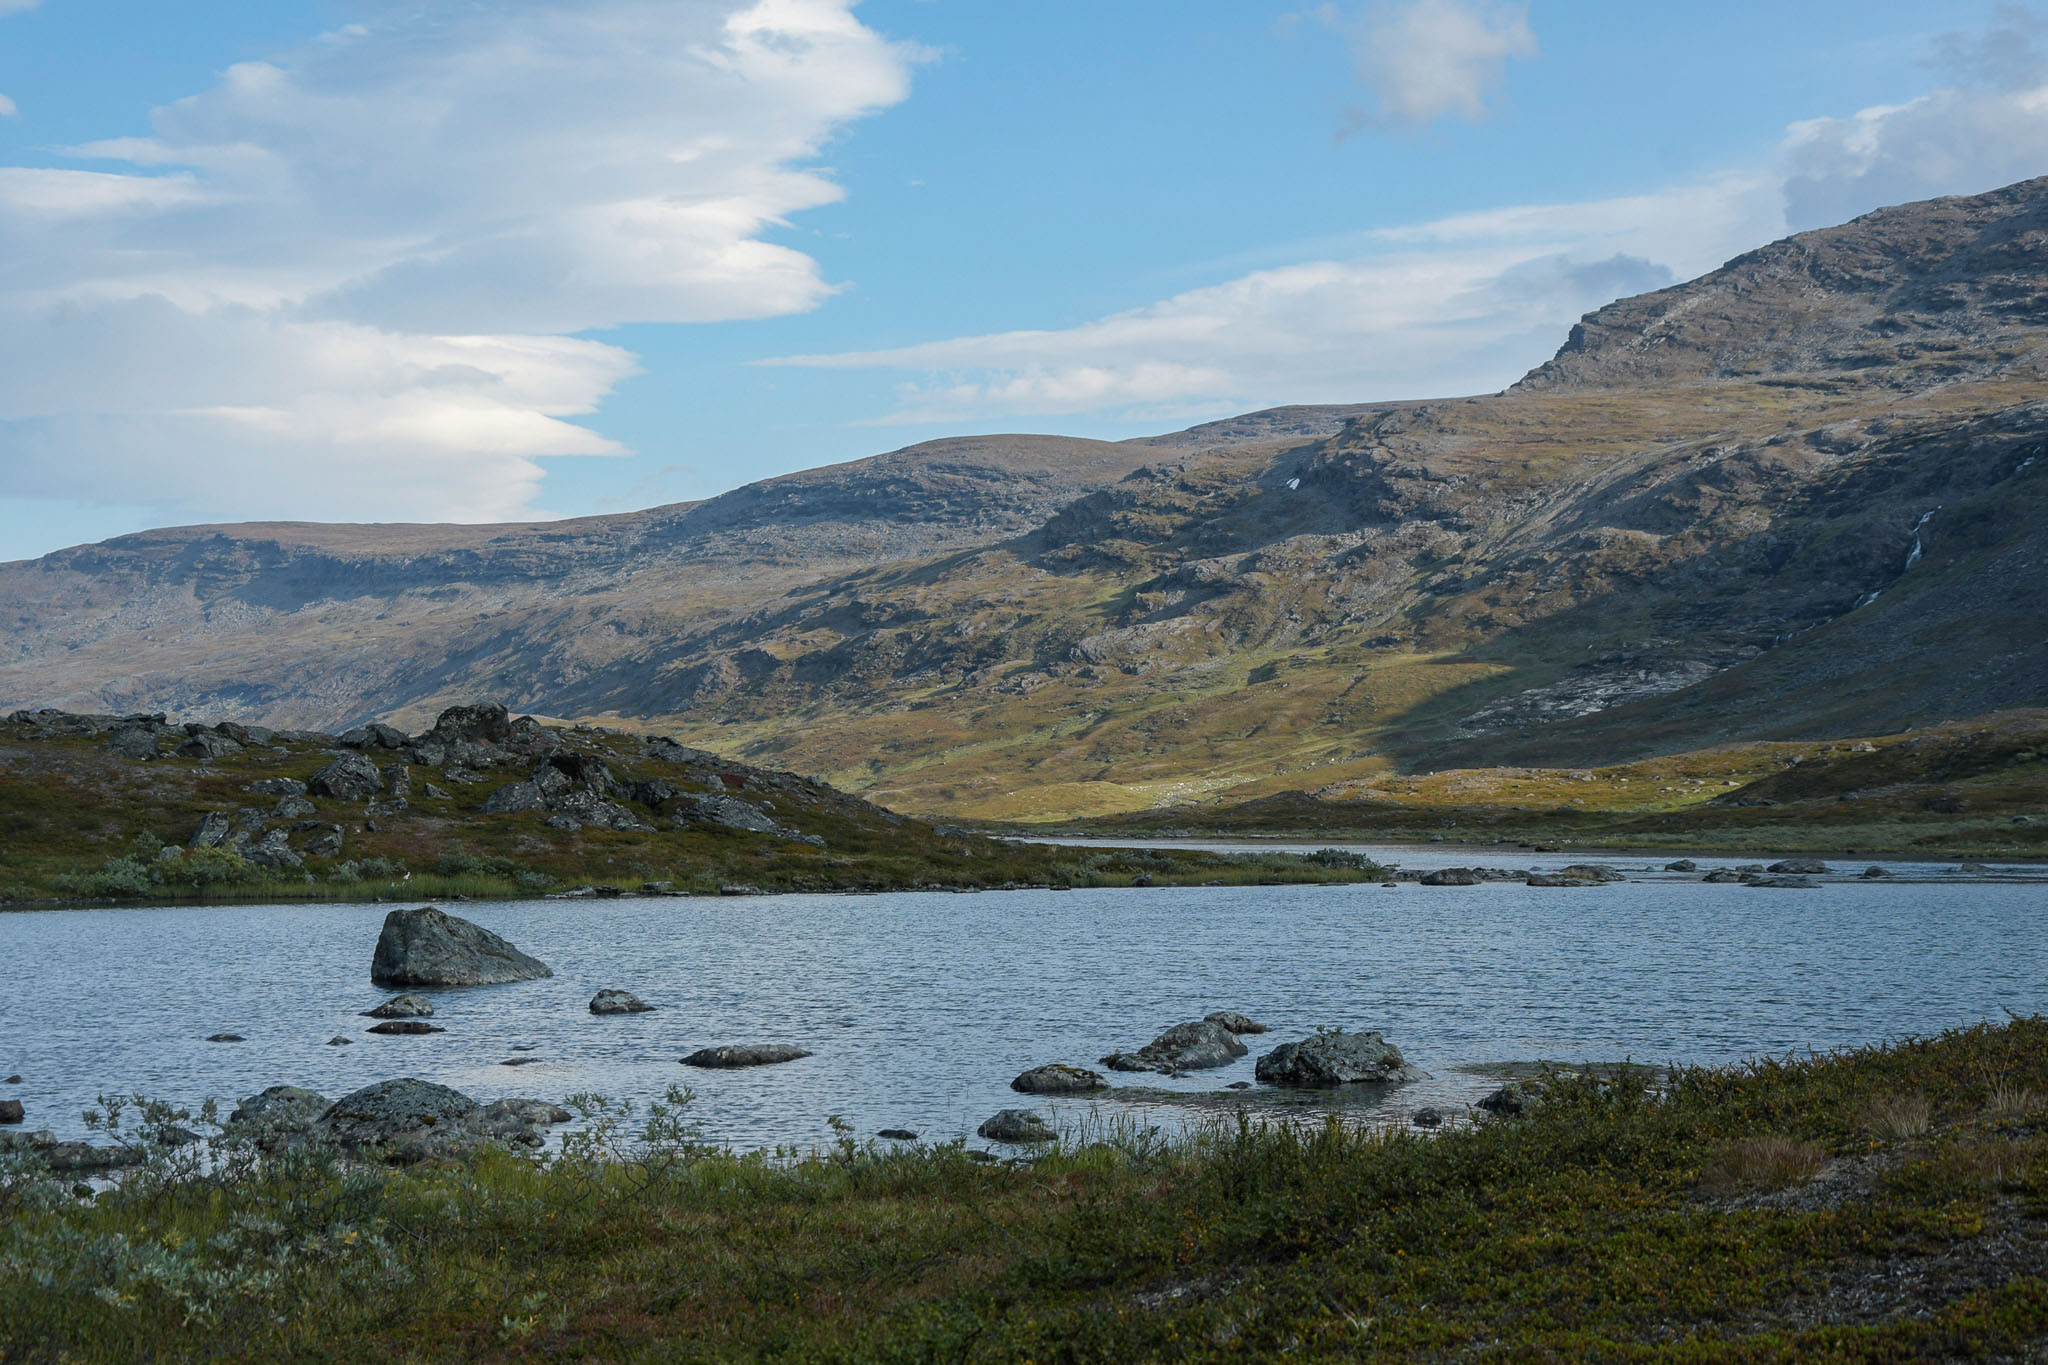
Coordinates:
1884	1204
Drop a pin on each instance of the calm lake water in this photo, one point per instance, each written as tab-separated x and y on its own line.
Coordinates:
920	1008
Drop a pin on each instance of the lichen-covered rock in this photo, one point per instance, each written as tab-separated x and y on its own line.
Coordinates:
282	1109
350	777
744	1054
402	1007
214	828
273	850
392	1111
1058	1079
429	947
1193	1046
1333	1059
515	798
1018	1126
729	811
618	1002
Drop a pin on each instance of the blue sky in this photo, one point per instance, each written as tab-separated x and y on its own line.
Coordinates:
370	260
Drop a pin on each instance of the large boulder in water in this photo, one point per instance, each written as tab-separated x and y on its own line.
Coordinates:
1184	1047
1332	1059
735	1056
1058	1079
429	947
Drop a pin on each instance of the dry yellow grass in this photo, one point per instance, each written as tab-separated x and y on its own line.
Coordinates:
1768	1162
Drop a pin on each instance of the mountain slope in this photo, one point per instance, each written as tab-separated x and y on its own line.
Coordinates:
1798	497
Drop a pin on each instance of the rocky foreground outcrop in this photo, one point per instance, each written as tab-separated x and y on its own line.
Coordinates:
429	947
1333	1059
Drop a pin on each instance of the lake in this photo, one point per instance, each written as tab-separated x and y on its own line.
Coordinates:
919	1008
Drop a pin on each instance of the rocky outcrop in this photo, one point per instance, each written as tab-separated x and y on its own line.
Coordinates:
618	1002
1451	876
414	1120
429	947
1058	1079
1334	1059
1016	1126
734	1056
1194	1046
1236	1023
351	777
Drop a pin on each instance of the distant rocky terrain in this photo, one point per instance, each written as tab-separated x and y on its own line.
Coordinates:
1801	497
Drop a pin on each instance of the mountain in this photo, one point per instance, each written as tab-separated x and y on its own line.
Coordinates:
1798	497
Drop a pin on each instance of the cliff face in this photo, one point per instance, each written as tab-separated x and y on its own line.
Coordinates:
1798	496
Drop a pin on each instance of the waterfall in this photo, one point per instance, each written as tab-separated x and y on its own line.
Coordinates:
1913	555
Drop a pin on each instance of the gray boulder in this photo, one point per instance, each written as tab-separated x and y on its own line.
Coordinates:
403	1007
273	850
728	811
281	1110
134	741
1591	872
11	1111
214	828
293	808
326	844
1682	865
207	745
429	947
1781	883
618	1002
1332	1059
277	786
1875	873
515	798
351	777
1808	867
1058	1079
744	1054
592	809
1235	1022
399	1027
1722	875
1451	876
1017	1125
1559	879
1184	1047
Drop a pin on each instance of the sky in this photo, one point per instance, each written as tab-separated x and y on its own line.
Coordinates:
494	260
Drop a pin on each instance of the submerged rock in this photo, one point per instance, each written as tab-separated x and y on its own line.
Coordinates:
1722	875
226	1038
1333	1059
618	1002
1184	1047
1591	872
1782	883
739	1055
404	1026
1058	1079
1016	1125
1682	865
1872	874
1800	866
403	1007
429	947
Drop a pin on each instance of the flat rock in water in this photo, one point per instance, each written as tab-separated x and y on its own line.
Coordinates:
403	1026
14	1080
225	1038
1590	872
403	1007
739	1055
618	1002
1016	1125
1058	1079
429	947
1451	876
1808	867
1782	883
897	1135
1235	1022
338	1041
1184	1047
1682	865
1872	874
1333	1059
1559	879
1722	875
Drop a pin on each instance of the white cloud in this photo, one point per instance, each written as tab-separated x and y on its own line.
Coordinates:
17	6
339	284
8	108
1467	303
1424	59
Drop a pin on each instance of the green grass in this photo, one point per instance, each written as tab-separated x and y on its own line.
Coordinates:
1749	1213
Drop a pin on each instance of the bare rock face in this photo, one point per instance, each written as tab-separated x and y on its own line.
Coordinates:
754	1054
1058	1079
429	947
1333	1059
1184	1047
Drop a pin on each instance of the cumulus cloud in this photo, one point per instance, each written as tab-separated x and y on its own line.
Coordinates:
340	283
1425	59
7	108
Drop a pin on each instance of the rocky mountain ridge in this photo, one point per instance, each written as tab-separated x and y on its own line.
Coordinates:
1799	496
